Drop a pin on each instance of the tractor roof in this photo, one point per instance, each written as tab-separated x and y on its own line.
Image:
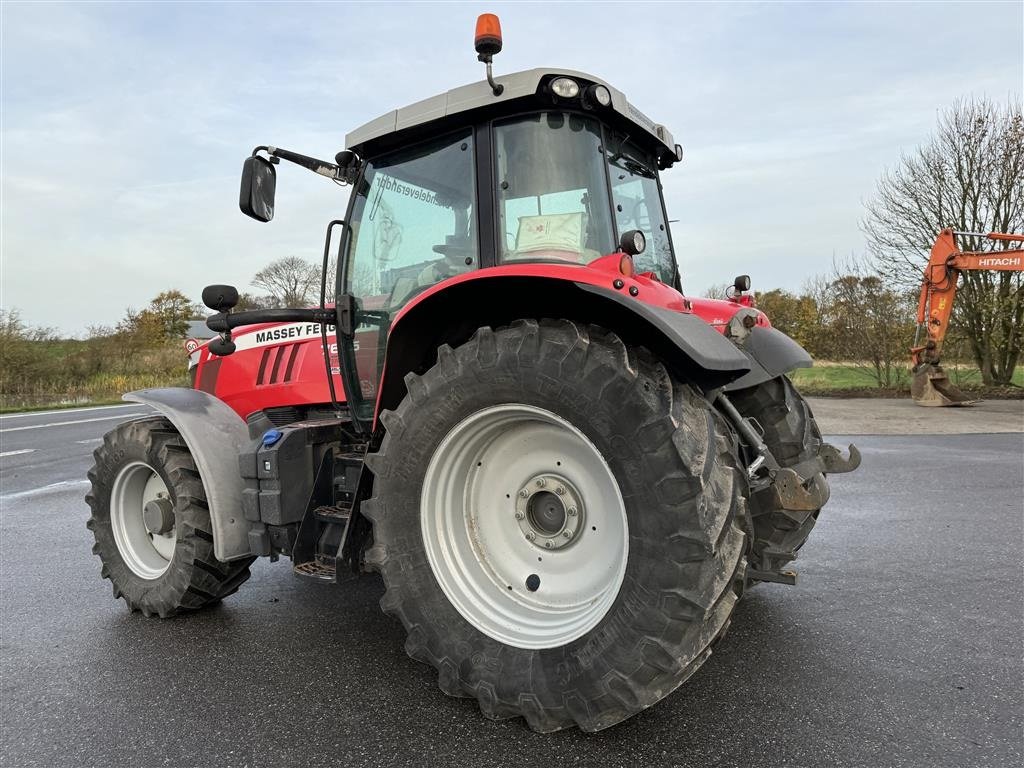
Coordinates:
479	96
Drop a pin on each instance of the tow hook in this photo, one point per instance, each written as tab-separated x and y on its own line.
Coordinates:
800	489
833	462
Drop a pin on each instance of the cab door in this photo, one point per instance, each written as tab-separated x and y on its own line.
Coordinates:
413	224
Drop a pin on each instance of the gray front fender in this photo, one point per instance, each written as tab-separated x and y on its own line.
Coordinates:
772	353
215	435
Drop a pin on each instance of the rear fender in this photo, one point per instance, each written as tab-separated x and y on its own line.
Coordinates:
771	352
215	435
691	348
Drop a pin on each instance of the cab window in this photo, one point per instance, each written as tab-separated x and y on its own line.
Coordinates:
552	191
413	222
636	194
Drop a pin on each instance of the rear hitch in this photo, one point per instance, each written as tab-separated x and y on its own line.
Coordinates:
802	488
795	494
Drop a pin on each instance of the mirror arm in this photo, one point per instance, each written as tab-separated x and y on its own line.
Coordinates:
321	167
223	322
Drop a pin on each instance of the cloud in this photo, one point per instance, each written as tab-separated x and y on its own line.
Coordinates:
124	126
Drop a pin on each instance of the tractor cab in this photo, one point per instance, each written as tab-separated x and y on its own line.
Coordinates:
545	166
542	167
556	168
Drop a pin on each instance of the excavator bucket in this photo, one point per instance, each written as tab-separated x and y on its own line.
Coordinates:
931	386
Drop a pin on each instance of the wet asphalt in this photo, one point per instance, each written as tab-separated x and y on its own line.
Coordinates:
899	646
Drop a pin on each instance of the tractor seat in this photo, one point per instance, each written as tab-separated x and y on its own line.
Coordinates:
552	236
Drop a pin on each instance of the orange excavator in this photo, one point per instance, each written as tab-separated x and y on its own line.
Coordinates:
930	385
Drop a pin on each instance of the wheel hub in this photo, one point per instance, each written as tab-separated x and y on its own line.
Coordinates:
142	520
549	511
524	526
158	515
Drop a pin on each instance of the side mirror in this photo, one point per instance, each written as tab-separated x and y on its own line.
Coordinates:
220	298
259	180
741	283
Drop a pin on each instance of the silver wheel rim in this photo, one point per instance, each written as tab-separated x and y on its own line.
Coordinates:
500	475
146	553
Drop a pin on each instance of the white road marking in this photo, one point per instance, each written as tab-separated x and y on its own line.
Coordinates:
17	453
68	411
90	440
65	423
52	487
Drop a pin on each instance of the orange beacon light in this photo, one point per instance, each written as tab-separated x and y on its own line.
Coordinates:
488	35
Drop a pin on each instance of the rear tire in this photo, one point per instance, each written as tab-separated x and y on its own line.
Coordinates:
792	435
672	462
165	565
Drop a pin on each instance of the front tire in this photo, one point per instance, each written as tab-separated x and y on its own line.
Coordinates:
565	619
152	525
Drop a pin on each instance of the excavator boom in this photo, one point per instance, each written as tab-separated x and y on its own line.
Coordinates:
930	385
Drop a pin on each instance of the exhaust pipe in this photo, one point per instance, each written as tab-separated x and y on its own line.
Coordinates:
930	386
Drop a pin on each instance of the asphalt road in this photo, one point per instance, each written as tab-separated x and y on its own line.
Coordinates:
900	646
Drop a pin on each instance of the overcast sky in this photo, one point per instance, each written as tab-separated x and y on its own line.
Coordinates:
125	126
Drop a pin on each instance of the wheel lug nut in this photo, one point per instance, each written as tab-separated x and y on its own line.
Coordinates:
531	536
547	544
560	490
541	482
524	493
567	534
572	511
520	515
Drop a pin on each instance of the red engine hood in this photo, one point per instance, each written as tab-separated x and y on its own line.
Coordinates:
718	312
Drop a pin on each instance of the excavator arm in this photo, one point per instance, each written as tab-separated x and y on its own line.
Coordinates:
930	385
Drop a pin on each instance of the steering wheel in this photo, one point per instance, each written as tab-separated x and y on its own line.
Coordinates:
456	255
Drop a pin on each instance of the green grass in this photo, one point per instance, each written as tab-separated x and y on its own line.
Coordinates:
837	377
824	378
98	389
4	408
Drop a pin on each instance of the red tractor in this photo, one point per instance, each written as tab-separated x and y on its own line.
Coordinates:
566	471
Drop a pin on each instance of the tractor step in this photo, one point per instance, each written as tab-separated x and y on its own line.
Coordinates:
332	522
338	513
778	577
322	569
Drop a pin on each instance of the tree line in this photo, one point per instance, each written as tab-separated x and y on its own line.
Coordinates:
969	175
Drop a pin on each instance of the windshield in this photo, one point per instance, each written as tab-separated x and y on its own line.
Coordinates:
636	194
553	171
552	189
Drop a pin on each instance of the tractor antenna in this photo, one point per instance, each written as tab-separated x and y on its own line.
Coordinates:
488	43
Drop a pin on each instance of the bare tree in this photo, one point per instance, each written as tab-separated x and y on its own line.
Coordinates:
291	282
248	301
968	176
717	291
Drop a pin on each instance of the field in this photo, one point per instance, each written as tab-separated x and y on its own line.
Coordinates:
849	379
842	379
68	373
